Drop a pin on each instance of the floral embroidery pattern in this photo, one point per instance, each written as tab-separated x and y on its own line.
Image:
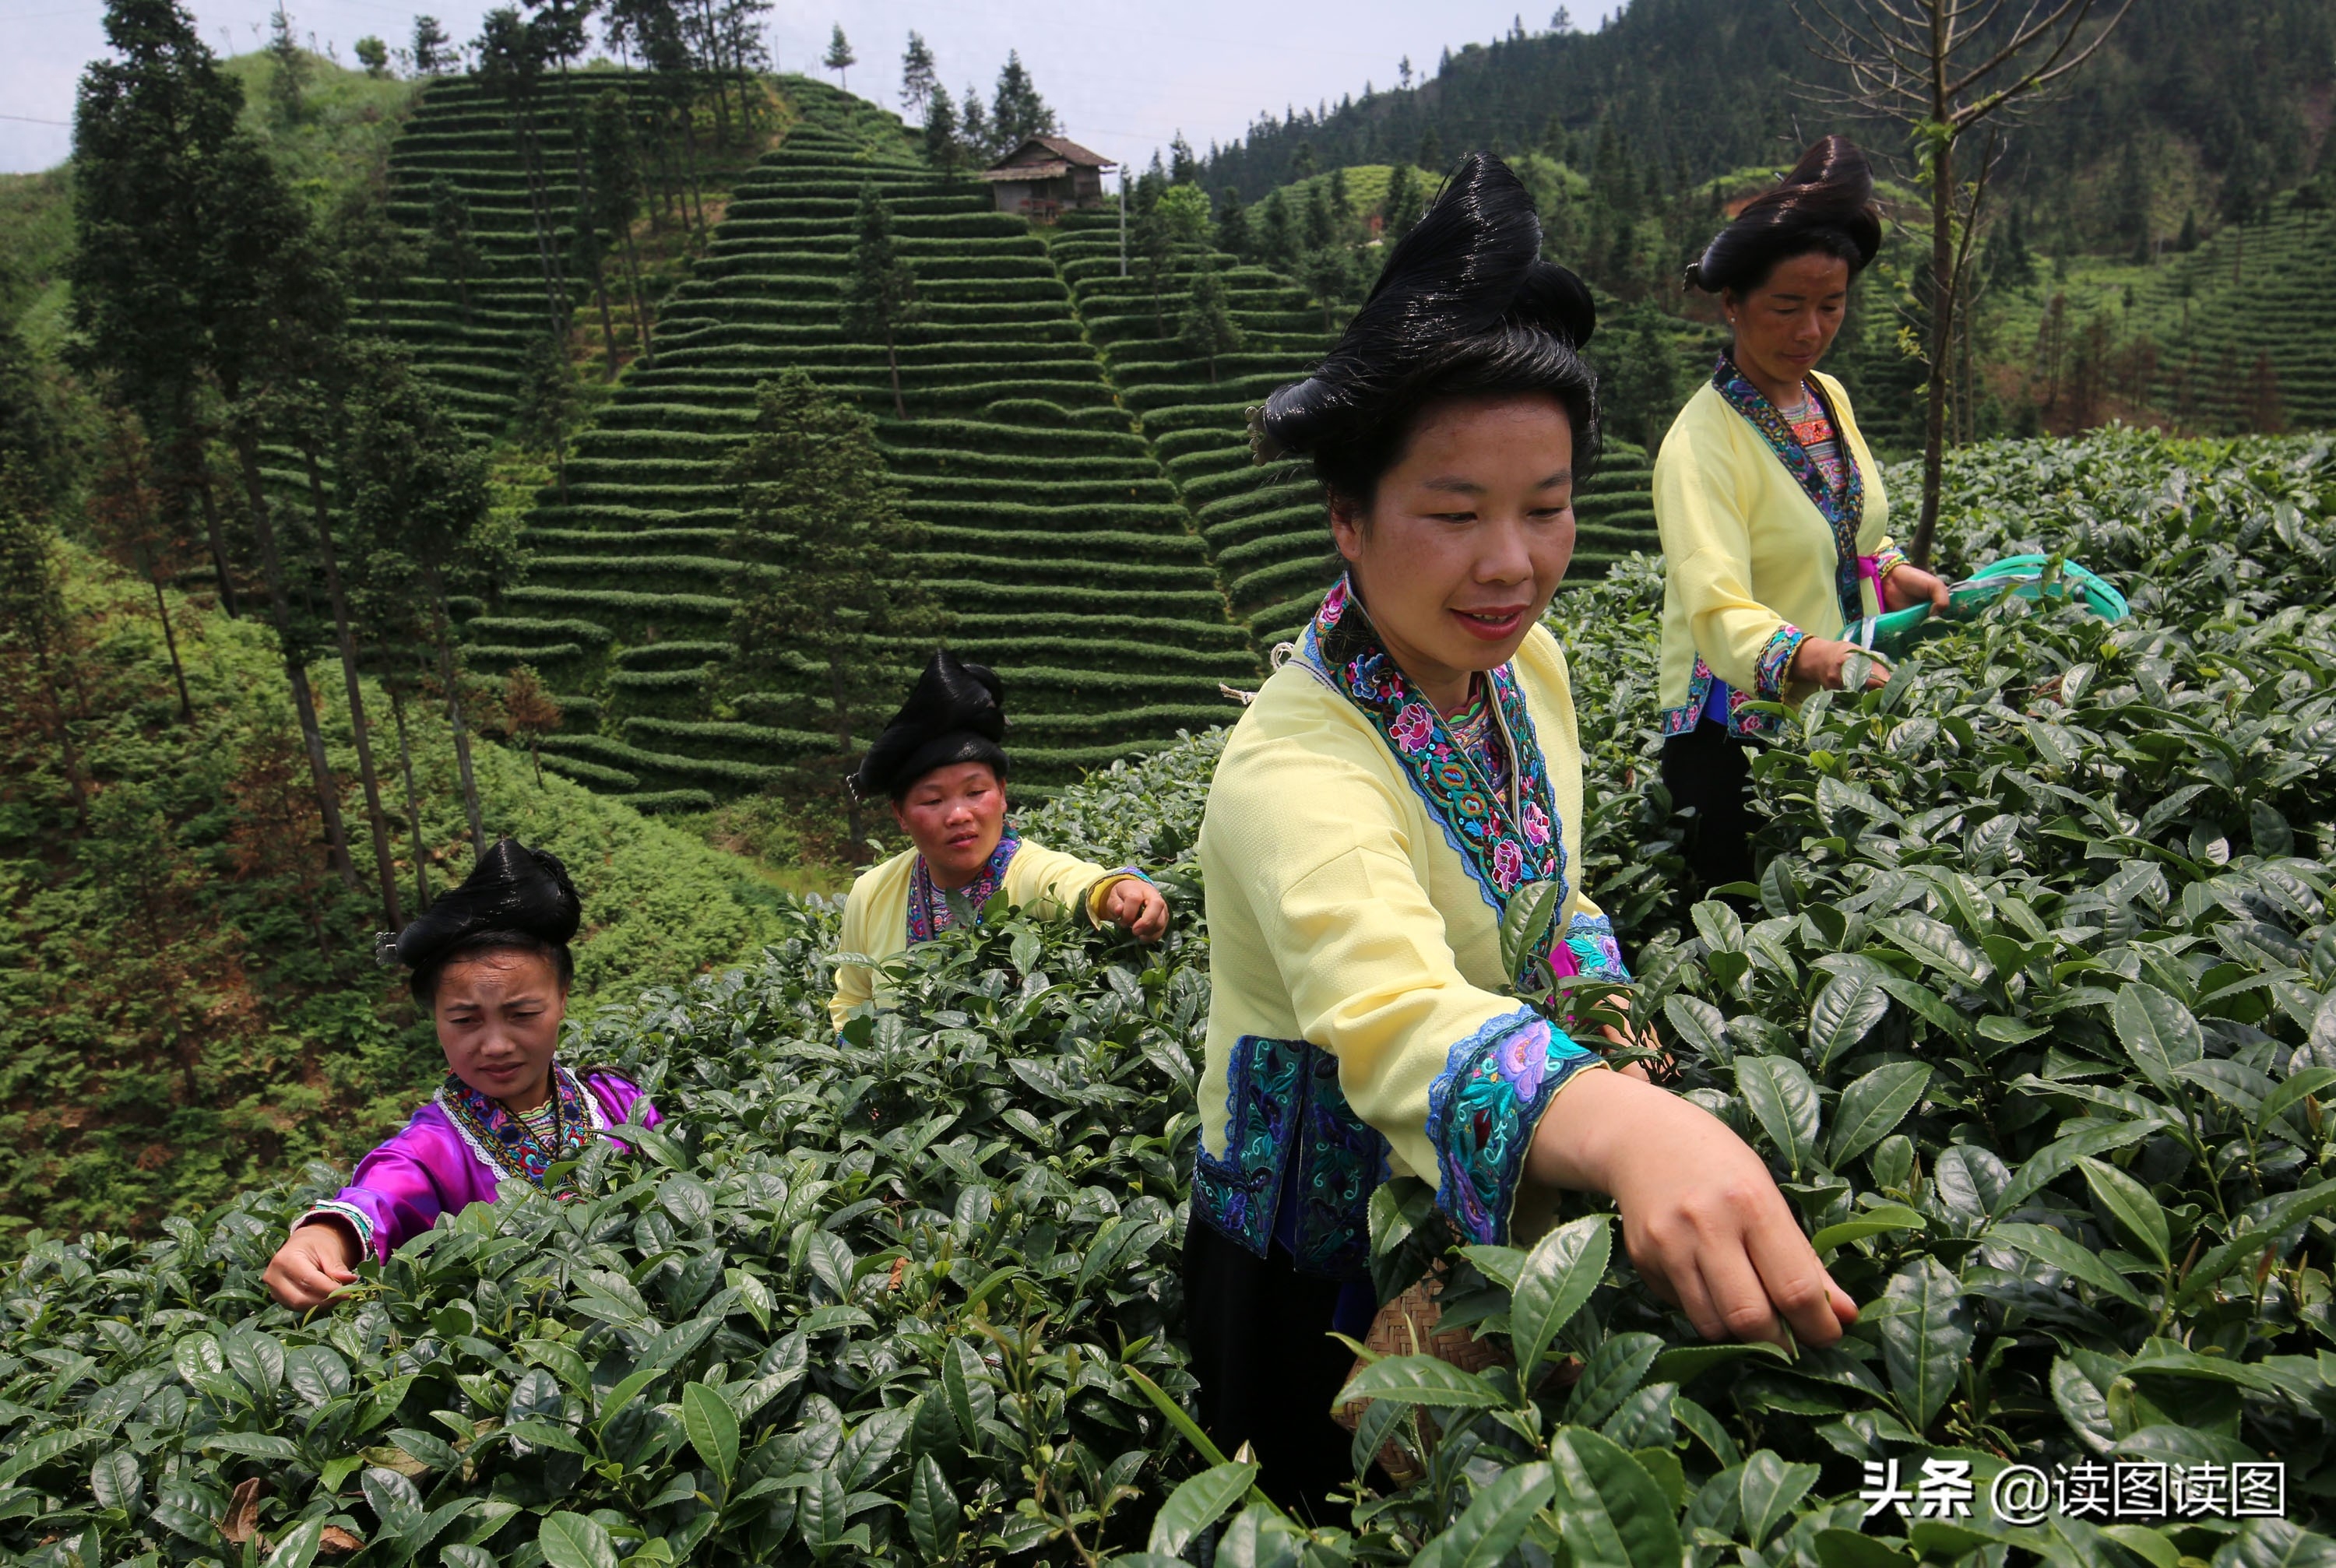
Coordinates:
929	907
1300	1166
506	1143
1768	671
1481	1111
1589	940
1505	837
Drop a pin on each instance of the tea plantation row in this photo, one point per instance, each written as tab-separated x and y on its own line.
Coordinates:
2035	1018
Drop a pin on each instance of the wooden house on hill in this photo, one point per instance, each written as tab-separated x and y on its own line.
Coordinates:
1046	175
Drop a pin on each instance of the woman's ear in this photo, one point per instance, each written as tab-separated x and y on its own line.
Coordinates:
1347	525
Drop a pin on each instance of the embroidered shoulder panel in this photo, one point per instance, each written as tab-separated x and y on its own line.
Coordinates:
1482	1110
928	908
1504	840
1299	1163
1844	513
504	1141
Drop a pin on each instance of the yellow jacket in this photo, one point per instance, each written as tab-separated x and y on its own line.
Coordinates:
1358	1021
876	911
1750	564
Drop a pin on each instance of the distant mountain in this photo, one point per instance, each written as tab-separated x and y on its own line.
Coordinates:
2194	106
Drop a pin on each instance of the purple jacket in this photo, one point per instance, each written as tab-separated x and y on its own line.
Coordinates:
458	1147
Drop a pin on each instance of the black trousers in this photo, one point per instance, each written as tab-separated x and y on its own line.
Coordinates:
1709	770
1269	1370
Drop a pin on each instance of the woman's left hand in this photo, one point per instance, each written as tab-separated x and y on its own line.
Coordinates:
1136	905
1910	585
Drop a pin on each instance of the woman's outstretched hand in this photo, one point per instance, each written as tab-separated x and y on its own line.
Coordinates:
1909	585
1136	905
1821	661
319	1260
1702	1219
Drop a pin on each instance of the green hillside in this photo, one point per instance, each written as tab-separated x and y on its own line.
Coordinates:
1053	535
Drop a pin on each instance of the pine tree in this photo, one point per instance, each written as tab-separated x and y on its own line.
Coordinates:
919	79
148	132
288	77
450	249
974	128
417	502
430	54
1183	168
547	403
1232	223
943	151
1329	277
373	55
612	155
1402	204
880	291
1016	112
830	613
1209	329
840	58
1156	263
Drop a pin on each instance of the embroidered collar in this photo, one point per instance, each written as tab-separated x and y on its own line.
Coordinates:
1505	837
503	1140
1844	513
928	906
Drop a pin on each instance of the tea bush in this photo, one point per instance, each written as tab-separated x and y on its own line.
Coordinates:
2033	1012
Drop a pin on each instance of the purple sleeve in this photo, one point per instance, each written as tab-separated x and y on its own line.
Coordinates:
398	1191
617	1096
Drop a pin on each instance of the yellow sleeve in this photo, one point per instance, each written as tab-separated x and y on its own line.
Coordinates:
854	983
1707	542
1456	1078
1056	883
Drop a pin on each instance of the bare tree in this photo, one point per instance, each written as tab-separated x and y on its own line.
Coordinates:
1940	67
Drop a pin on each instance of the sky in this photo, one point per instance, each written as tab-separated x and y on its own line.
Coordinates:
1123	76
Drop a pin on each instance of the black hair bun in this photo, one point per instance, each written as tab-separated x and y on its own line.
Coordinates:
1468	281
955	712
511	889
1825	203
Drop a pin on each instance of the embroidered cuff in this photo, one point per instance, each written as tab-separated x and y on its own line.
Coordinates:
1103	884
356	1218
1769	671
1596	954
1888	560
1481	1111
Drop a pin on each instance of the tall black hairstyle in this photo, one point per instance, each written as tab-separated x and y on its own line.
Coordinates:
955	712
1466	306
1825	204
515	900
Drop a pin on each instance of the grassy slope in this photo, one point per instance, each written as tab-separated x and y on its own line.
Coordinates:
282	1054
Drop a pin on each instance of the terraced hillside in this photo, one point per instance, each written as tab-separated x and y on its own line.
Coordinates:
462	132
1264	527
1053	537
2248	296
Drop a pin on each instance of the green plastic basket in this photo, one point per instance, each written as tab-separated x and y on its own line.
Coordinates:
2027	575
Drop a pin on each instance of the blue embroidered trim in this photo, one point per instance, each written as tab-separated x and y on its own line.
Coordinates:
1283	1103
1771	669
333	1208
1844	514
1742	720
1500	853
1596	954
928	910
1482	1110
